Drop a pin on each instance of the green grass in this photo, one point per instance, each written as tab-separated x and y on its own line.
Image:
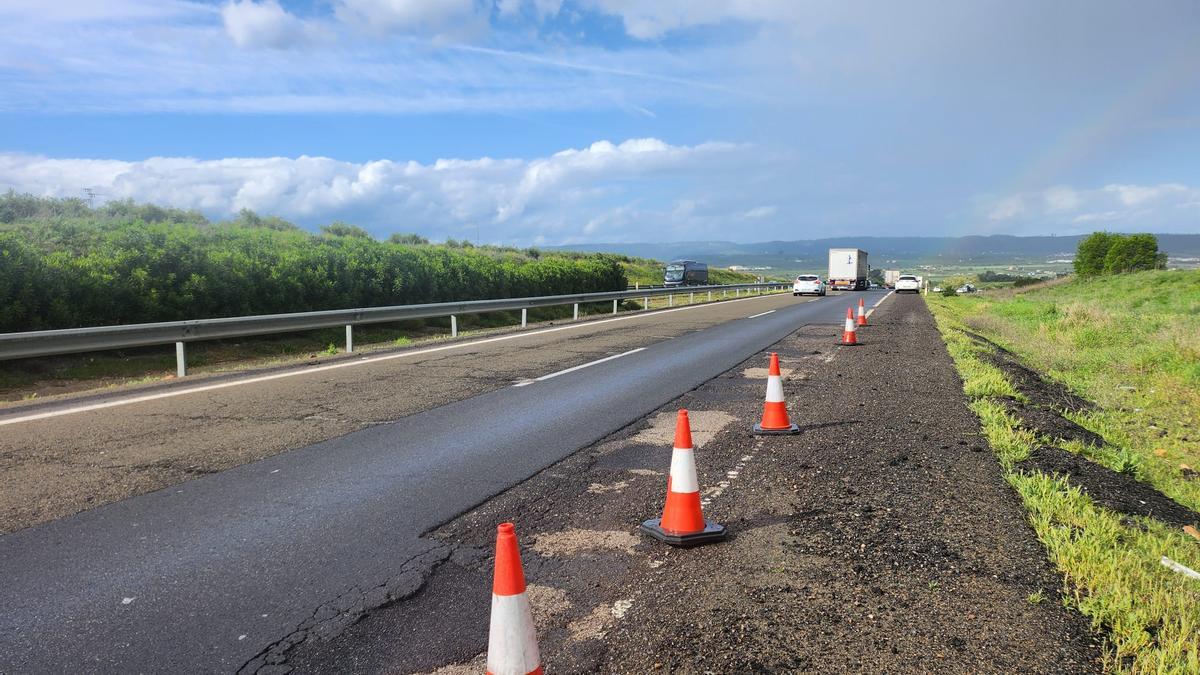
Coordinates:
1129	344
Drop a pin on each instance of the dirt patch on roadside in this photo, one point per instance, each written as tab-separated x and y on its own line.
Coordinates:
1112	490
1036	388
1047	422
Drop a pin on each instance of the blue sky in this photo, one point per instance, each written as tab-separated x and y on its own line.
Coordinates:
561	121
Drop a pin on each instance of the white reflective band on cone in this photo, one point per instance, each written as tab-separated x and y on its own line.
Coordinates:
849	325
774	389
512	643
683	471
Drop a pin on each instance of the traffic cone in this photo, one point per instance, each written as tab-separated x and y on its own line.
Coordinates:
862	312
682	523
850	334
512	642
775	417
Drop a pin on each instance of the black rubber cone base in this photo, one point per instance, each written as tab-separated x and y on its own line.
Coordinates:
792	429
712	532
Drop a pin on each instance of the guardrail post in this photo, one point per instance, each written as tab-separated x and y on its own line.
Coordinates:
670	299
349	338
577	311
710	296
614	306
737	292
646	302
637	286
180	359
453	326
691	297
524	316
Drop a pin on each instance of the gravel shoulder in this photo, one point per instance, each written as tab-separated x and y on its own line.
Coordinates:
882	538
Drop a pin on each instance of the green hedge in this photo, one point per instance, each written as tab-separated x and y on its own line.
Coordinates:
66	271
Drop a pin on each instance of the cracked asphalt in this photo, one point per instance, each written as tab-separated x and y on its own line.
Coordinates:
262	548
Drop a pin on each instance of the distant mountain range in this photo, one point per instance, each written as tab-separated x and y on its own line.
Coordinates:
884	251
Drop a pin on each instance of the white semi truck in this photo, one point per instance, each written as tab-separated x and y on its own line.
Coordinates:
848	269
890	277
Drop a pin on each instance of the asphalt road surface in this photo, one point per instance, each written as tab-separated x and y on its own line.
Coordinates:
206	574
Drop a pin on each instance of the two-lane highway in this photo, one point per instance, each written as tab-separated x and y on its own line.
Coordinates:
201	576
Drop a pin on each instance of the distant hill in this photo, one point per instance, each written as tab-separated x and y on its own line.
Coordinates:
887	251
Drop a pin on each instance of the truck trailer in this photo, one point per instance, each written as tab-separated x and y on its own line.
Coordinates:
890	277
848	269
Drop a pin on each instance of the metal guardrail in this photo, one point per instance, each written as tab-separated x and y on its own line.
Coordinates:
77	340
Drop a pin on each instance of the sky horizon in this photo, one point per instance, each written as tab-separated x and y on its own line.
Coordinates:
562	122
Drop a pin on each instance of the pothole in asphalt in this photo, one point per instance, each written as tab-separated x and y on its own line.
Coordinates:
705	425
573	541
761	373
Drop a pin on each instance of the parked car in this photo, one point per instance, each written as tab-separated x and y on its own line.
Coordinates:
908	283
808	284
965	288
937	289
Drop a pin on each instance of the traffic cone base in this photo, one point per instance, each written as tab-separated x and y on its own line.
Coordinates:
786	431
711	532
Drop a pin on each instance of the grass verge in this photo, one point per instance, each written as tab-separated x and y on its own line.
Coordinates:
1148	615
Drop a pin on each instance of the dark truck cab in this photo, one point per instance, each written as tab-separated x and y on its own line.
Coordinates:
685	273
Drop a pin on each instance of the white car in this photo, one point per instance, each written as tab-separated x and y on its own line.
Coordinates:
908	283
808	284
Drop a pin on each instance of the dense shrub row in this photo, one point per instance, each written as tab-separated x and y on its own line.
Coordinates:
70	266
1109	253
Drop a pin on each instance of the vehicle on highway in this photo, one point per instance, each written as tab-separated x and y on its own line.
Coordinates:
848	269
966	288
890	277
908	283
808	284
937	289
685	273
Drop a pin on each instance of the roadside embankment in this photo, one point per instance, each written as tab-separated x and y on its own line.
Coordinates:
1089	392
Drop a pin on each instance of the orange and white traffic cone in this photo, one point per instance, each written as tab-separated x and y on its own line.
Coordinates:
682	522
850	334
775	417
512	642
862	312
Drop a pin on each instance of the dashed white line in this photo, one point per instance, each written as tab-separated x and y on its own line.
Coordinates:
769	311
579	367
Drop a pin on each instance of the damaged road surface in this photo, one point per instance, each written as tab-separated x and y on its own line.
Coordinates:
225	572
882	538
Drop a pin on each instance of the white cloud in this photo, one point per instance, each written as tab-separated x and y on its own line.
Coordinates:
250	23
382	17
591	190
759	212
1167	207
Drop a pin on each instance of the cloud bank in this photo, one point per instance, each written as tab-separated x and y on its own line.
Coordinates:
545	199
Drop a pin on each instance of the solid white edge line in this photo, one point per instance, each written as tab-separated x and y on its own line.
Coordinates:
581	366
348	364
876	305
769	311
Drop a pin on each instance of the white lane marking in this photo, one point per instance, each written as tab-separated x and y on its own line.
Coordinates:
769	311
876	305
579	367
348	364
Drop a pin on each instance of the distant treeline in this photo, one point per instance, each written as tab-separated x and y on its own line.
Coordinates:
65	265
